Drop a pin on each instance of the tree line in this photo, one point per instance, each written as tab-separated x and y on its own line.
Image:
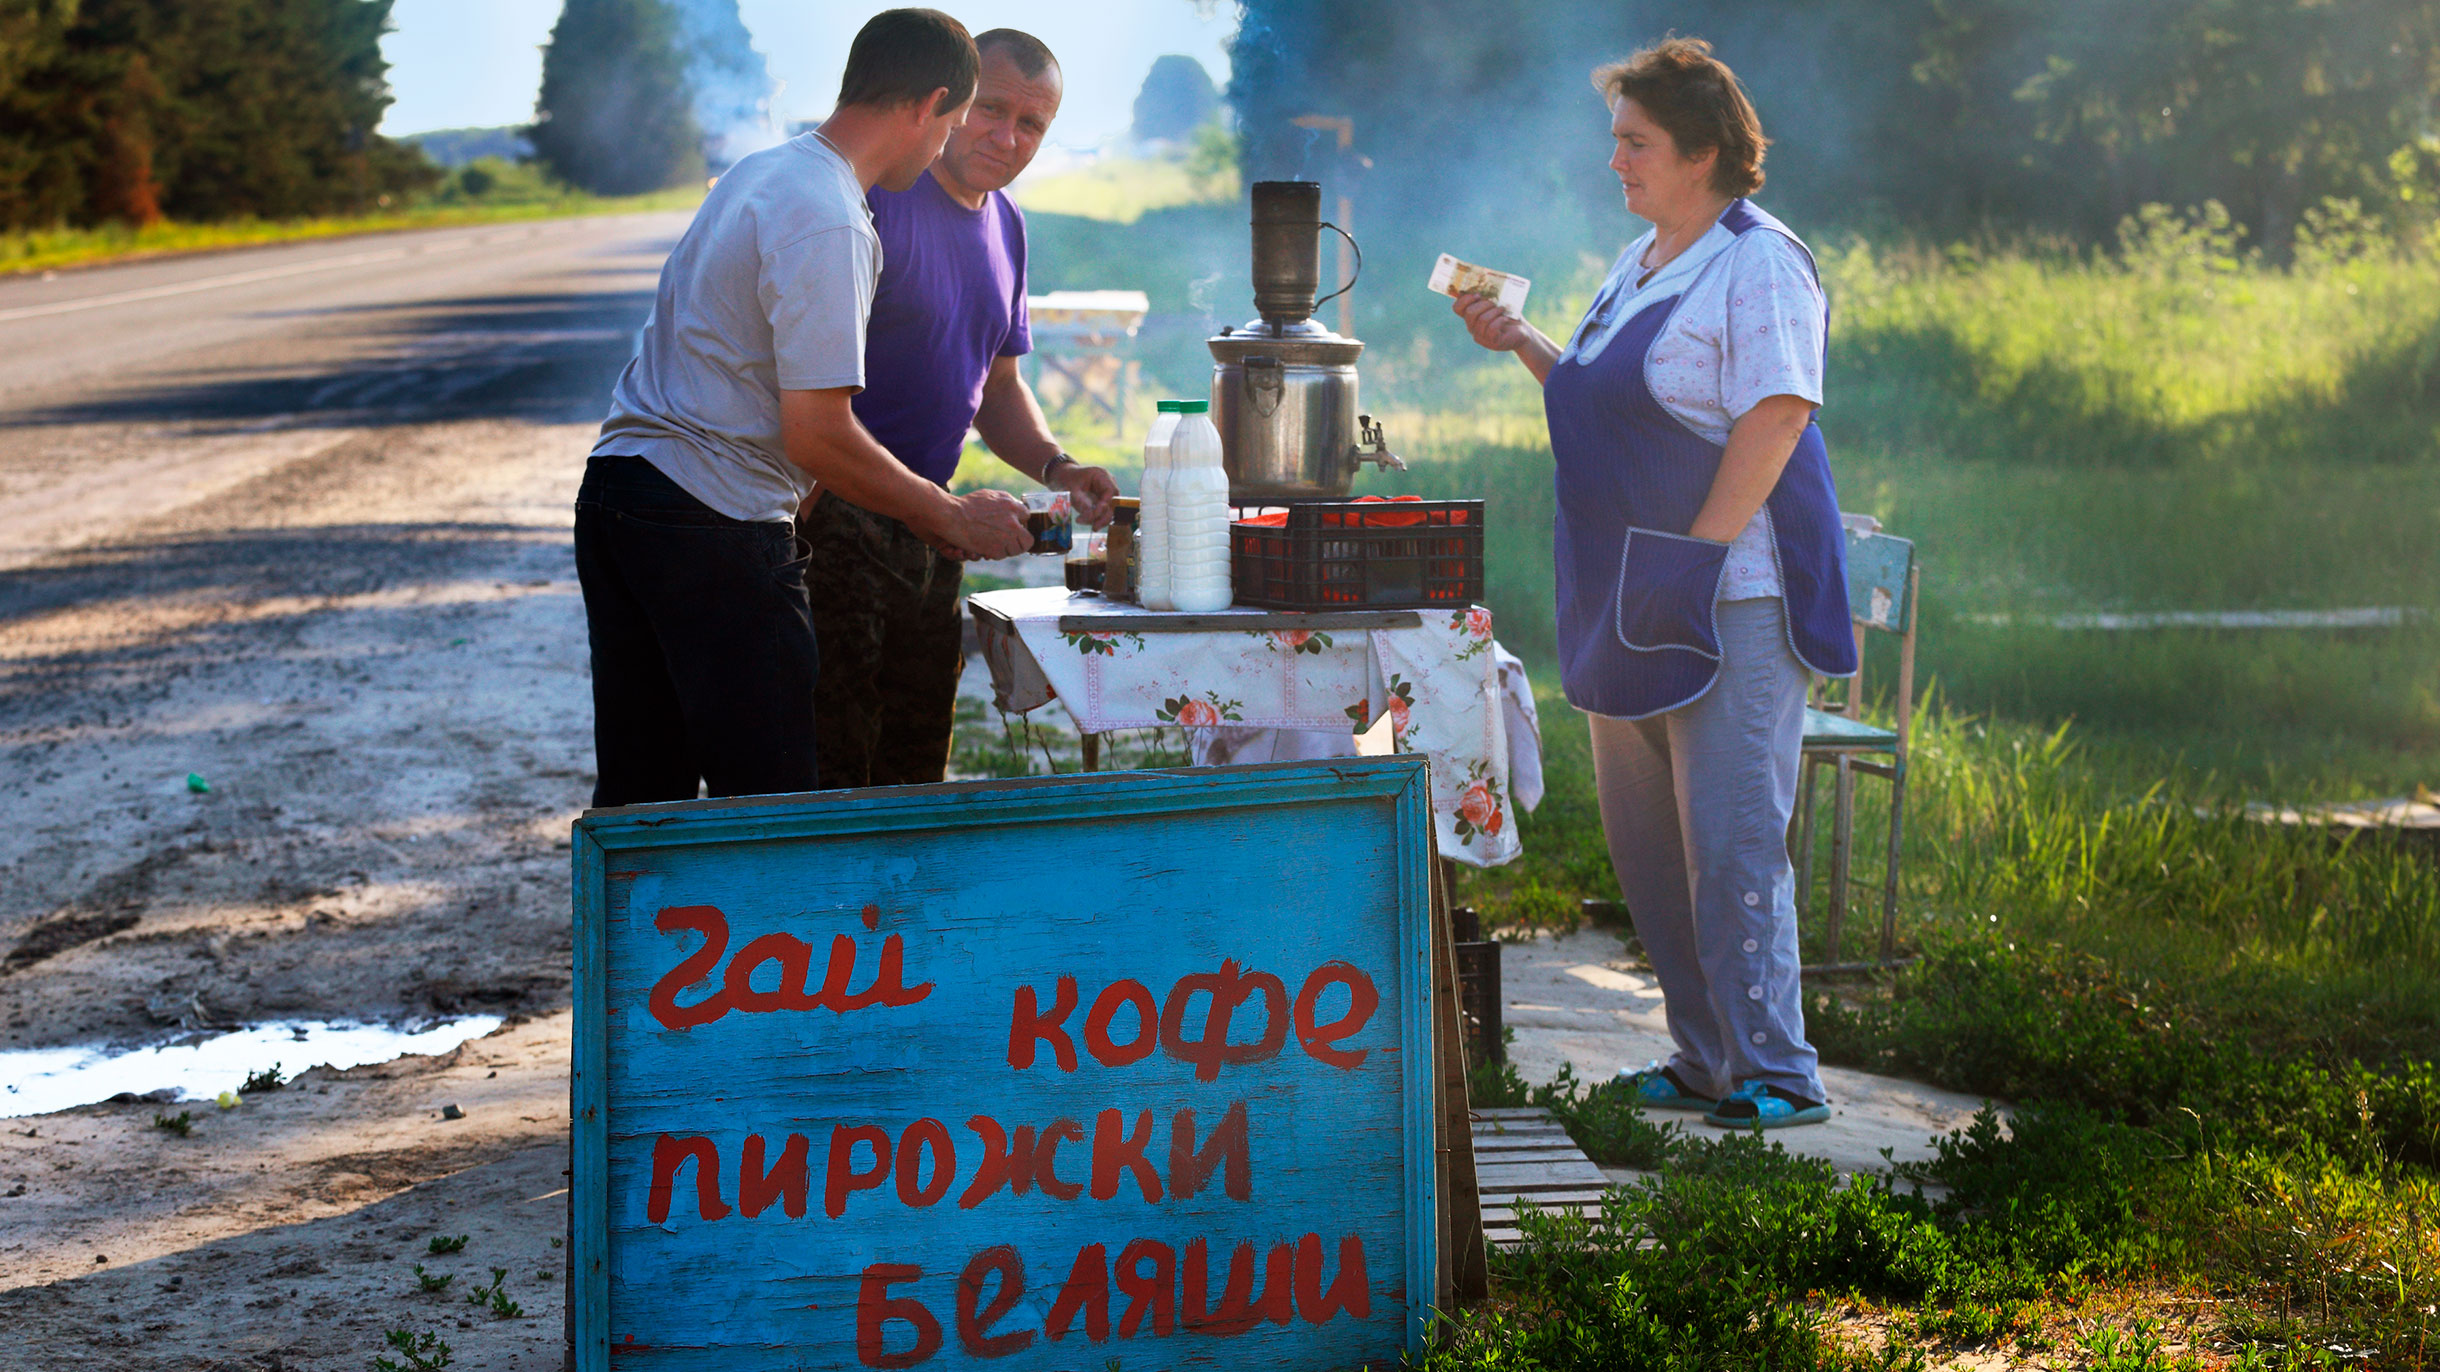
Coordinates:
1947	118
130	110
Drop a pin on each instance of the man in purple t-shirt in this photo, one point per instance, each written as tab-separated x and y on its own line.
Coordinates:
940	355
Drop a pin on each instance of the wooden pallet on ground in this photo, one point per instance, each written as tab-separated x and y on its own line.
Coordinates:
1524	1156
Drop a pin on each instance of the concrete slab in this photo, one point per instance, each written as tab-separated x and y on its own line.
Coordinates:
1578	1000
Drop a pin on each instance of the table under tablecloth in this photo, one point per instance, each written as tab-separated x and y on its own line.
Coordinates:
1435	677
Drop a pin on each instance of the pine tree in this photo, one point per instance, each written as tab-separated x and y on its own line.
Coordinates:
614	116
1177	98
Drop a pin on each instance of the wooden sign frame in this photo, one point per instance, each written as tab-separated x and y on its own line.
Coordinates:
1378	809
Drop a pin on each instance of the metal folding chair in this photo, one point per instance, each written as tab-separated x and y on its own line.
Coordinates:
1881	583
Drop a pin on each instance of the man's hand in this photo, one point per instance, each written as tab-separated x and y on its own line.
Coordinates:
1092	490
980	527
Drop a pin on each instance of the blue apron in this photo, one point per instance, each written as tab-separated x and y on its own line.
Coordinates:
1636	631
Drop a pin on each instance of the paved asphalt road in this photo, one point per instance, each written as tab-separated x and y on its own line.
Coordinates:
130	390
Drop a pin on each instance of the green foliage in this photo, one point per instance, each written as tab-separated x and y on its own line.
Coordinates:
423	1352
130	110
1608	1123
182	1124
268	1079
2039	1022
1531	910
496	1296
1725	1256
444	1244
615	113
432	1281
2183	346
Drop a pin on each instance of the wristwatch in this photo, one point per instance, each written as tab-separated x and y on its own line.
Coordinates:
1053	465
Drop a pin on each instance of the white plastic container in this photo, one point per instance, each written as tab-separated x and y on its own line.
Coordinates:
1152	589
1198	516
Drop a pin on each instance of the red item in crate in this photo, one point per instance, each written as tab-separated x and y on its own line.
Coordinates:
1368	553
1339	518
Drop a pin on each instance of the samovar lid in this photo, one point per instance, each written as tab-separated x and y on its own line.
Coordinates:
1306	342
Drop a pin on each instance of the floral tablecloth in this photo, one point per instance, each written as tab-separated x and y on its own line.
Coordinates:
1437	681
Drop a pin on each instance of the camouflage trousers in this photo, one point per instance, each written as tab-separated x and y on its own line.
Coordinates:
885	614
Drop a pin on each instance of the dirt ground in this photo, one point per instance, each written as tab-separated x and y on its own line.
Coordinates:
375	655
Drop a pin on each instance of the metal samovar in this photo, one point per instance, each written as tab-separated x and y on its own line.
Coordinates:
1283	385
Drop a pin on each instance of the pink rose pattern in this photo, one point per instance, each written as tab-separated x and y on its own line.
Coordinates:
1190	713
1480	810
1471	628
1312	641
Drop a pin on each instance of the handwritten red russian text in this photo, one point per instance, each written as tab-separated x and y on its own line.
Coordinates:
923	1162
1160	1296
790	955
1205	1044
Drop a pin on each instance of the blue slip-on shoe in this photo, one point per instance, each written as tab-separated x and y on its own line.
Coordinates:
1757	1105
1658	1088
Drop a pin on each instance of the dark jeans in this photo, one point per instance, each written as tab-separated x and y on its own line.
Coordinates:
703	650
893	646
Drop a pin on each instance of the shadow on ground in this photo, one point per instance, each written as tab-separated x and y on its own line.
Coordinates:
540	359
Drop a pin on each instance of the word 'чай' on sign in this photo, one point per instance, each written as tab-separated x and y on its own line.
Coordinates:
794	959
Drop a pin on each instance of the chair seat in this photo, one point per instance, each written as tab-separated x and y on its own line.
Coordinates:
1838	733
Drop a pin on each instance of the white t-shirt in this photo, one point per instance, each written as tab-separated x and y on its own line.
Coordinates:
1750	326
769	290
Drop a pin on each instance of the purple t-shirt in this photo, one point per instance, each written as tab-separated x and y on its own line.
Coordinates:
951	299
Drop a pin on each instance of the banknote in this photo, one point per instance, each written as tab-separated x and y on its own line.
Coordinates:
1452	277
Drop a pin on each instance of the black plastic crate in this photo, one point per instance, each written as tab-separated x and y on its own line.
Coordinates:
1338	555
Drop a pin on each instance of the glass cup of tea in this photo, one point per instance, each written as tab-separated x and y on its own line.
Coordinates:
1050	516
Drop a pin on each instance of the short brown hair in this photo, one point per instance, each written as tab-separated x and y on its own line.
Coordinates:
1032	55
902	56
1694	96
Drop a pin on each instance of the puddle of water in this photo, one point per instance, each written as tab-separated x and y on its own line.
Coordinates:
36	1081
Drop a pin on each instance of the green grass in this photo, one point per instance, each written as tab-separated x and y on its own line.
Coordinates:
1121	190
514	193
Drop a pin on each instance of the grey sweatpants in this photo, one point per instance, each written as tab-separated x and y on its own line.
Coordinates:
1695	806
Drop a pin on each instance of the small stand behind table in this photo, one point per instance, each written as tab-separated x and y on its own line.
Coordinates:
1119	666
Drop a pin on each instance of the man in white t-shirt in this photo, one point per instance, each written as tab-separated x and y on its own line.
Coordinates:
737	402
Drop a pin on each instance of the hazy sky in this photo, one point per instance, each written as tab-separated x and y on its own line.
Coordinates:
460	63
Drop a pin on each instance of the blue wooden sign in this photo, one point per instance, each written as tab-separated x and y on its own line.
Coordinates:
1129	1070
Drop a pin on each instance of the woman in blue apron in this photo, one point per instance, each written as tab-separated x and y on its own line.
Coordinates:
1701	573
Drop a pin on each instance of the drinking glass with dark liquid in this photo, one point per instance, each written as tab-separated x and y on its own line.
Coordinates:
1050	516
1088	563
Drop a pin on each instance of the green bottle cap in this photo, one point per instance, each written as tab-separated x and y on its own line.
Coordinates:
1192	406
1168	407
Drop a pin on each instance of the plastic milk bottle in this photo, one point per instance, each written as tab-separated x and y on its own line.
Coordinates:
1152	590
1198	513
